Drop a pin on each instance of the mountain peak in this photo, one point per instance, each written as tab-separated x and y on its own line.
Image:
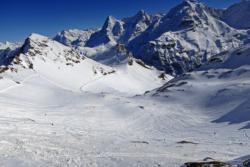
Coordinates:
36	37
141	16
191	1
109	23
141	13
185	15
110	19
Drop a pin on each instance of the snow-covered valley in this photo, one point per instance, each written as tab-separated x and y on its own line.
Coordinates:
48	121
43	124
145	91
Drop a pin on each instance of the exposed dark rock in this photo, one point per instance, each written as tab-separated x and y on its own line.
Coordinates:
246	163
186	142
207	164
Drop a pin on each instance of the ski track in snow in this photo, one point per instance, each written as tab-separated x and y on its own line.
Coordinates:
90	82
18	85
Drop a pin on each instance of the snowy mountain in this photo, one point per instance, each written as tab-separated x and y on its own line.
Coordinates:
185	38
74	37
121	31
179	41
101	97
71	70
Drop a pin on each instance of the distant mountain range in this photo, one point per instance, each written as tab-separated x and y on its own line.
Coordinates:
178	41
182	40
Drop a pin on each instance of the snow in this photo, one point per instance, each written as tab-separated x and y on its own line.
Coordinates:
73	72
68	116
191	30
216	98
74	37
44	124
7	45
84	99
128	79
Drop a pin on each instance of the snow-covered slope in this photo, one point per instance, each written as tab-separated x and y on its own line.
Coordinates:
50	94
55	62
216	97
65	67
45	123
89	98
220	88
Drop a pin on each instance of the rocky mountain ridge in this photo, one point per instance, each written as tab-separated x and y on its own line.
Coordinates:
178	41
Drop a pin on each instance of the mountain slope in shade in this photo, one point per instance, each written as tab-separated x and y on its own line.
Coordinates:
7	51
238	15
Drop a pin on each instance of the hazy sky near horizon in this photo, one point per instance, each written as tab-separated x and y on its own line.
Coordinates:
19	18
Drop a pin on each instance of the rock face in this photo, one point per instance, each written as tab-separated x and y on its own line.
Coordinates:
177	42
121	31
207	164
246	163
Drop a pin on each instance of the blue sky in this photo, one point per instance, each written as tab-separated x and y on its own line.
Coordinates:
19	18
